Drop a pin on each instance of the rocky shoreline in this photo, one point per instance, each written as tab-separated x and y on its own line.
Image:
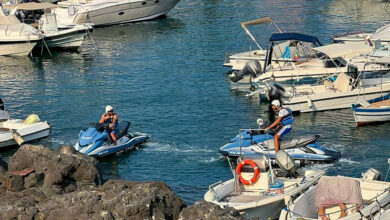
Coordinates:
38	183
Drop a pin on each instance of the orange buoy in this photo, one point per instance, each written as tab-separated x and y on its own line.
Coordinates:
343	212
255	169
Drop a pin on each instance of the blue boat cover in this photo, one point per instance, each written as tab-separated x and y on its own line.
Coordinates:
294	36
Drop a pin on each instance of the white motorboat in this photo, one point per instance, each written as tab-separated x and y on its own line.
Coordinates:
16	38
258	190
17	131
382	34
343	198
102	12
328	60
67	38
342	93
311	64
372	111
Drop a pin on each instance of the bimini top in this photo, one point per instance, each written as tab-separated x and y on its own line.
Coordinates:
344	50
31	6
379	60
295	36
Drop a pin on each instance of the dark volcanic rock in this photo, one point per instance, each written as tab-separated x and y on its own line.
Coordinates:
64	184
62	171
114	200
208	211
143	199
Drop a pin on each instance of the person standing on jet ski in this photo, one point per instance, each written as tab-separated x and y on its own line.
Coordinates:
282	124
111	119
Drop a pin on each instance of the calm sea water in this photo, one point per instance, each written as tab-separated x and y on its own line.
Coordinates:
166	77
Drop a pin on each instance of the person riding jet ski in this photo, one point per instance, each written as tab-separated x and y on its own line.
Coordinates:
282	124
110	118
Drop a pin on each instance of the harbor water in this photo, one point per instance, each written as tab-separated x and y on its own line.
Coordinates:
166	77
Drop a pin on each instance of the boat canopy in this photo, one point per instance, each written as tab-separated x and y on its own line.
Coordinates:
294	36
8	20
343	50
256	21
382	33
380	60
31	6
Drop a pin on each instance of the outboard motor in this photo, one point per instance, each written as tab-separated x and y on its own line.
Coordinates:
286	163
252	68
275	90
1	104
371	174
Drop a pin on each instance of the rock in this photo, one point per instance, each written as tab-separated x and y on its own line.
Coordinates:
208	211
144	200
65	184
116	199
34	180
62	171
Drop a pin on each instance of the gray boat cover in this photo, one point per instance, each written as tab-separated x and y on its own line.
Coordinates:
332	191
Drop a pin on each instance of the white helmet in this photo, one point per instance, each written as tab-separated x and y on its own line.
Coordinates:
109	108
276	103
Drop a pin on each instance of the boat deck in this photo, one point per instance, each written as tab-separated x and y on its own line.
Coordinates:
381	104
244	198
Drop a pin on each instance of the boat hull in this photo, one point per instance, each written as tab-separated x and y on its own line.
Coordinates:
125	12
377	112
6	139
365	118
16	48
257	206
334	101
68	39
304	206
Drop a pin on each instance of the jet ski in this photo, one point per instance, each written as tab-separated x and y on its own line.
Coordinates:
95	141
302	150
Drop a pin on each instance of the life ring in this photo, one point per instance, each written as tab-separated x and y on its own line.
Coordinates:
255	169
343	212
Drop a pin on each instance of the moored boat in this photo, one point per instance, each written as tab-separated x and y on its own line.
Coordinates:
258	190
103	13
372	111
70	37
16	38
345	90
340	197
17	131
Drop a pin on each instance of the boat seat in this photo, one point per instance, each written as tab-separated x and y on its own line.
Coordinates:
328	84
123	126
292	143
342	83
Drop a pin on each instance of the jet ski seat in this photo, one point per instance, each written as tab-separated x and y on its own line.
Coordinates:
123	126
292	143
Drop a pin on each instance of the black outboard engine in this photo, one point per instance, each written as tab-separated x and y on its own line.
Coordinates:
252	68
275	90
1	104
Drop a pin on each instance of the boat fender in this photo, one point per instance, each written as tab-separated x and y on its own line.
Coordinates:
309	102
255	170
343	212
1	104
